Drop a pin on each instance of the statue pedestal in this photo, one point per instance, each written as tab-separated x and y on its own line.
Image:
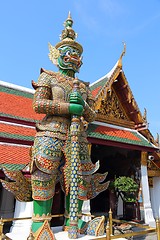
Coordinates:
22	210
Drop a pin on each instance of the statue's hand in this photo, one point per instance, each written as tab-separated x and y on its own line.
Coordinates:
76	109
75	97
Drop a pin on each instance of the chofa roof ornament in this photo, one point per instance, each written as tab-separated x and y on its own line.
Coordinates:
67	38
122	54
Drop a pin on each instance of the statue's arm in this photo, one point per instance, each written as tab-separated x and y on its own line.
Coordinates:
89	113
43	101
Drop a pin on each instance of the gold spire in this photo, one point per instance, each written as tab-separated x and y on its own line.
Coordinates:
145	115
122	54
68	36
157	140
69	16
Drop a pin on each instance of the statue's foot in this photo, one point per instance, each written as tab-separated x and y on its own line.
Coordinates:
82	226
43	231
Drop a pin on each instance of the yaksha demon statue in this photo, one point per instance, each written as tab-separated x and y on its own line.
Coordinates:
60	151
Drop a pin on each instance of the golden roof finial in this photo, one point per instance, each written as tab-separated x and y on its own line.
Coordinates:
157	140
122	54
145	115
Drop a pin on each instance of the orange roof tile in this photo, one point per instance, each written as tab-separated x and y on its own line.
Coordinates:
10	154
96	91
127	136
18	130
117	133
18	106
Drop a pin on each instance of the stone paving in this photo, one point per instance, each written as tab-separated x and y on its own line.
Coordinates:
151	236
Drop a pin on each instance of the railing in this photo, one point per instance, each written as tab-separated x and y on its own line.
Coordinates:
109	227
3	221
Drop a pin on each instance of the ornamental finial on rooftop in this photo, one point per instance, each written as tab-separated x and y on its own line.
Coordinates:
122	54
68	36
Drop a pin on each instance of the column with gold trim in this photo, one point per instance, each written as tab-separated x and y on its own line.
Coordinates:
148	213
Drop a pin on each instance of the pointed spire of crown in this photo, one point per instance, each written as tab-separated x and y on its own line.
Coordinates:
68	35
69	21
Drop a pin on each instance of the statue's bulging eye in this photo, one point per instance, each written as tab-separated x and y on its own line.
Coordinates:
68	53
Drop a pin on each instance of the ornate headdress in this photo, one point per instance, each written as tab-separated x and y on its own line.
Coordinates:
67	38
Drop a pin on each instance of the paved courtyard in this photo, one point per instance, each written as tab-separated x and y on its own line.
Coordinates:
62	235
151	236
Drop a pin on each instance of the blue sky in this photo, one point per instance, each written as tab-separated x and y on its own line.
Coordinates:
102	25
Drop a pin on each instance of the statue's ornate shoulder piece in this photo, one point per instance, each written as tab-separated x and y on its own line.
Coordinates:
48	72
44	79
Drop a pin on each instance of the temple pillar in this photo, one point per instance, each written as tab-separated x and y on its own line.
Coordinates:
6	204
22	210
148	213
155	196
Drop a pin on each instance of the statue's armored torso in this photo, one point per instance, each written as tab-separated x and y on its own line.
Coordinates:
55	88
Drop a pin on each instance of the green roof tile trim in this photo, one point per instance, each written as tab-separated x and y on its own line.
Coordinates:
14	167
17	117
98	84
16	136
16	92
91	132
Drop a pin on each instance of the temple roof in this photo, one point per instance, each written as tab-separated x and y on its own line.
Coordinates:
115	102
12	132
113	88
14	156
16	103
17	125
118	136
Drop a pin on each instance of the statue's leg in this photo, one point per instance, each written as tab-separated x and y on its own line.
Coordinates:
81	223
43	186
41	208
46	157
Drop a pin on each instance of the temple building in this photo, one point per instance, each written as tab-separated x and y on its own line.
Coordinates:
119	139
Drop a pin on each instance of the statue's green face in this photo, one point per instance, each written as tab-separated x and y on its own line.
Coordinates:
69	59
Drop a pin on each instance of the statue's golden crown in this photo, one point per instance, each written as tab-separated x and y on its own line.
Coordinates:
68	36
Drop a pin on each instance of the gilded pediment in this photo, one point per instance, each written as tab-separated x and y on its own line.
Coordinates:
112	108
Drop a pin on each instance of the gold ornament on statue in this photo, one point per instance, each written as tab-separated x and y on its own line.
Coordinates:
53	53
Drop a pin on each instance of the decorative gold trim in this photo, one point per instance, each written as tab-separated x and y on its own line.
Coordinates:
38	218
144	158
114	121
153	173
44	230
